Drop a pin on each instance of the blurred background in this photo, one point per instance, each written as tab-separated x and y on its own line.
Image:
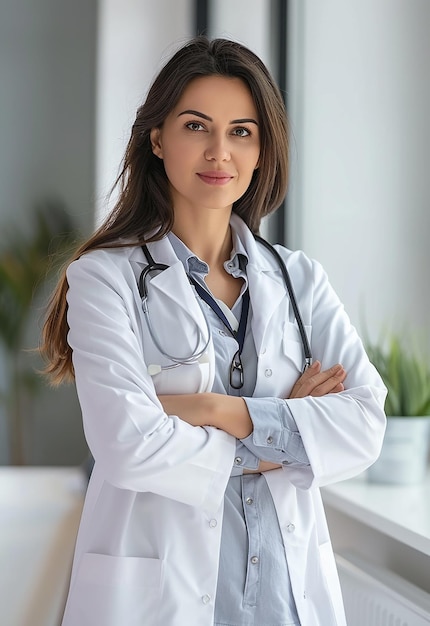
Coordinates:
356	81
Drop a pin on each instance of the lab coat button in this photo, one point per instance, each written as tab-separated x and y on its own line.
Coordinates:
268	373
238	460
254	560
291	528
269	440
213	523
249	500
206	599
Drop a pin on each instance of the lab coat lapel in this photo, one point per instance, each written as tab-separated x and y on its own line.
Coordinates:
266	286
266	294
172	282
171	305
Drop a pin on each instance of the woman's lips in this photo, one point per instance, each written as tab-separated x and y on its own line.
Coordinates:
215	178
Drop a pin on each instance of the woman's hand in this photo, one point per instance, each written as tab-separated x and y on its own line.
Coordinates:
263	466
314	382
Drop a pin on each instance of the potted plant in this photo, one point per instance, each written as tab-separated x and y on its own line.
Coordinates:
26	261
406	373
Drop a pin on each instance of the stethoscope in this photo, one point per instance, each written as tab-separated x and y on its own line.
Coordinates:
199	353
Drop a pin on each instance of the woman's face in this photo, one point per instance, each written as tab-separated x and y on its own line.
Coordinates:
210	144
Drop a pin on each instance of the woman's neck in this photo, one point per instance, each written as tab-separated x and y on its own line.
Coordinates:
208	237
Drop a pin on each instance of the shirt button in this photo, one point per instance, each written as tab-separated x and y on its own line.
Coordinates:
249	500
213	523
263	351
254	560
206	599
291	528
238	460
268	373
269	440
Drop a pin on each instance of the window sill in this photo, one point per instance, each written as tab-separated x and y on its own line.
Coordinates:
400	512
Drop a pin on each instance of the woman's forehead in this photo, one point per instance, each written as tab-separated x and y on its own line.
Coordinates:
226	95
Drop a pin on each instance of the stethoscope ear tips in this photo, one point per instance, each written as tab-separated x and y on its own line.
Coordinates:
153	369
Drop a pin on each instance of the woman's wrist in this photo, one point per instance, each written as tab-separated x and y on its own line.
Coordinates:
231	415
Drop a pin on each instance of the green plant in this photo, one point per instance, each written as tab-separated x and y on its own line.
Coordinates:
406	374
26	262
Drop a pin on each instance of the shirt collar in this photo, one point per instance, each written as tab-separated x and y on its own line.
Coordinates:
192	264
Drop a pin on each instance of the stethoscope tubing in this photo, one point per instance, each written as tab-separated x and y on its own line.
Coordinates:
286	276
197	354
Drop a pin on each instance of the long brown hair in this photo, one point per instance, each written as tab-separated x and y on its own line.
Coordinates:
144	203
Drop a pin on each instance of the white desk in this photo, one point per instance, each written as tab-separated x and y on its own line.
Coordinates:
40	510
387	524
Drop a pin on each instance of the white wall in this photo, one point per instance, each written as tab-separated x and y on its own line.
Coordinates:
47	65
135	39
245	21
46	105
360	102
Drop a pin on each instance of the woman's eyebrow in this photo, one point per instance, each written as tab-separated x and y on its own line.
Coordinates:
192	112
245	120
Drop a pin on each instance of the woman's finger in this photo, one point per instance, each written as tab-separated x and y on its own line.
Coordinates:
318	383
331	385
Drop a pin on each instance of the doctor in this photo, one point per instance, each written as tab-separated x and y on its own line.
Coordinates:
210	441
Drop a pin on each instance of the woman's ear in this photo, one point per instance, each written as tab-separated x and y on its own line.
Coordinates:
155	137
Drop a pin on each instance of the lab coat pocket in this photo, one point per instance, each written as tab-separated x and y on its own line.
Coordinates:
113	591
292	344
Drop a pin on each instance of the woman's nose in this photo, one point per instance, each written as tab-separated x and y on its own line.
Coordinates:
217	149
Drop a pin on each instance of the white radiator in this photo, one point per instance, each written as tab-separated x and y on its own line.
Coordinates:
375	596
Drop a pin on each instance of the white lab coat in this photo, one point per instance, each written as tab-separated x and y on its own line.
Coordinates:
148	545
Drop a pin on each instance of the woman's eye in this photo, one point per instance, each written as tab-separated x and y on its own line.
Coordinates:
241	132
195	126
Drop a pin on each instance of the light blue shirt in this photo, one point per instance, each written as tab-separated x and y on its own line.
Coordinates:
253	581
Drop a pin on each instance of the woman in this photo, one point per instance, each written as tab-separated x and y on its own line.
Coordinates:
203	505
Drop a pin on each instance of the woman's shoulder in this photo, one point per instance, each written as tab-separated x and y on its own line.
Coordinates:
294	256
302	267
107	261
263	255
112	254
